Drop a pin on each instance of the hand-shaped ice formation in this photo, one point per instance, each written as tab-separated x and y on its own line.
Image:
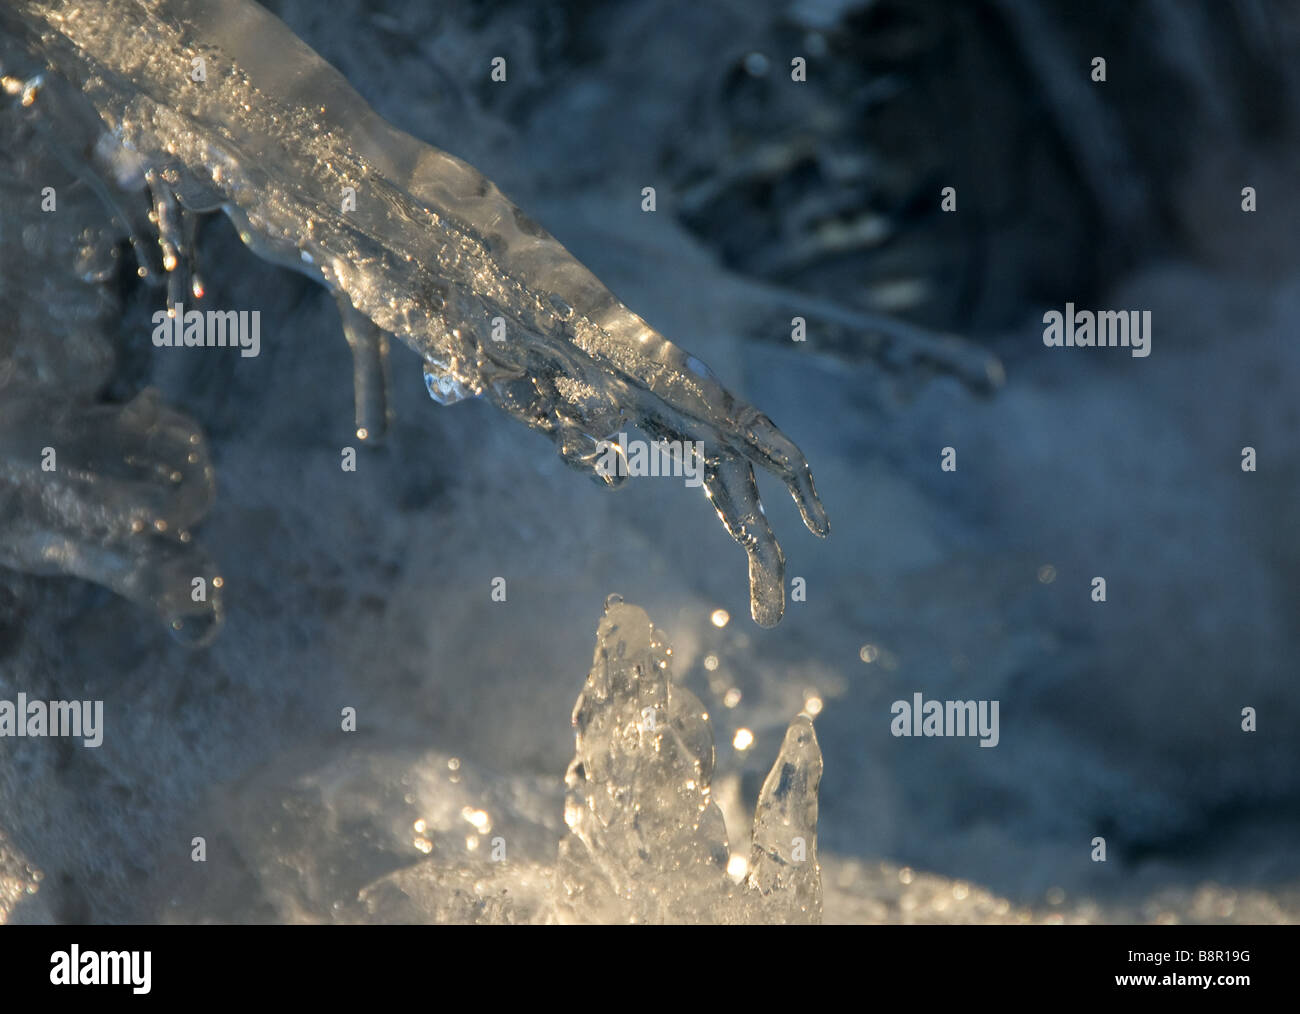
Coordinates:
411	241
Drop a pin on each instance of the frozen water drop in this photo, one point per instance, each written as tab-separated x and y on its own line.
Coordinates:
444	386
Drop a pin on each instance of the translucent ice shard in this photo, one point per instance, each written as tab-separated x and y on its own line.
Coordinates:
369	346
646	841
412	241
108	493
783	866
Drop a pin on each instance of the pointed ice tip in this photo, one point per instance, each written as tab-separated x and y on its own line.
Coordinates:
788	799
791	786
814	517
783	855
801	744
809	503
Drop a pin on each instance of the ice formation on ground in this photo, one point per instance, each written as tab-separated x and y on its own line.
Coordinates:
428	838
647	843
220	106
381	835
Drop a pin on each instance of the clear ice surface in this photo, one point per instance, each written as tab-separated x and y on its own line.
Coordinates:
412	242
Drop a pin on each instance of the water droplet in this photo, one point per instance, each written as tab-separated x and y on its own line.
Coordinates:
195	630
444	386
31	89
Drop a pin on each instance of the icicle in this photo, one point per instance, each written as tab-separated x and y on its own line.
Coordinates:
408	239
369	372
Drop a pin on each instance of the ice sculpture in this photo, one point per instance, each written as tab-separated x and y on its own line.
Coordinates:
646	842
217	105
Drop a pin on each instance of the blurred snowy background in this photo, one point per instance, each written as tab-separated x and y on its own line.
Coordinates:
372	590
